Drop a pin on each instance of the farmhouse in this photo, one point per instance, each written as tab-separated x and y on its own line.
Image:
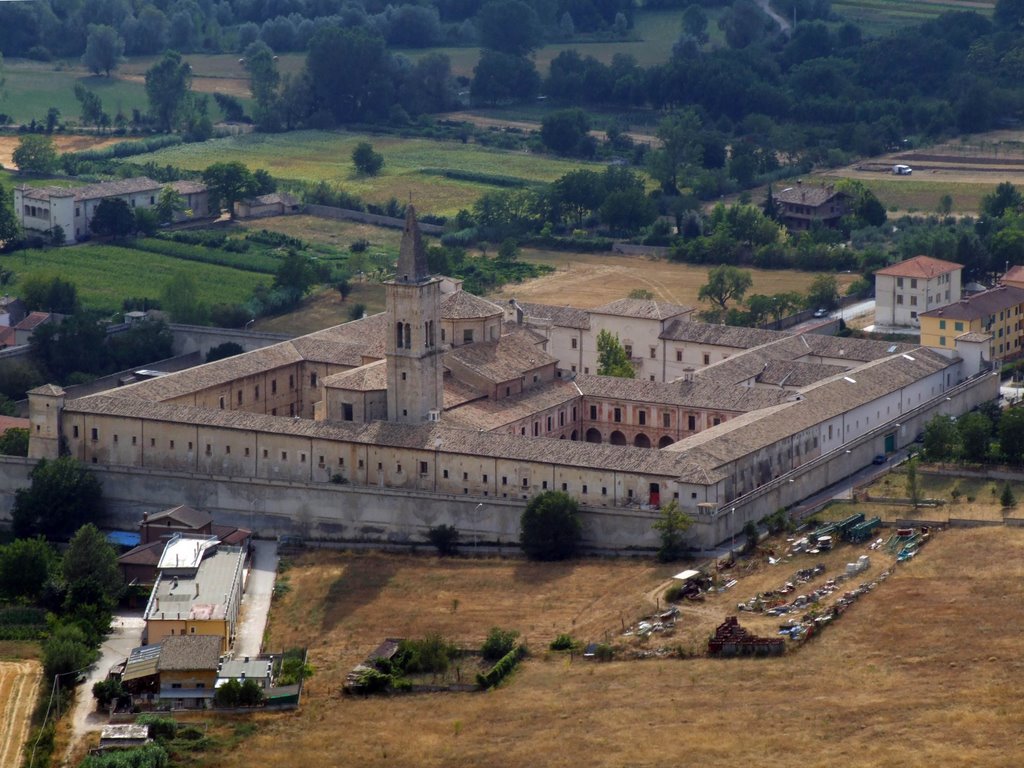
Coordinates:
44	209
443	400
903	291
803	204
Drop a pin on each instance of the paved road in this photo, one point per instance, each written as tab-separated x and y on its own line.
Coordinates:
125	634
259	588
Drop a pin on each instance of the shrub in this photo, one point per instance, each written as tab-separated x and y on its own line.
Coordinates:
431	654
563	643
501	670
549	527
360	245
159	727
604	652
445	539
106	691
498	643
1007	499
221	351
673	593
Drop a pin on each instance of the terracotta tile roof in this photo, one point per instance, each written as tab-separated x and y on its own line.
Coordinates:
465	306
458	392
1014	274
695	394
650	309
144	554
183	514
47	389
412	436
325	350
32	321
508	358
696	332
980	305
563	317
794	373
273	198
12	422
186	187
716	447
807	194
367	378
8	336
366	334
974	336
490	414
184	653
920	267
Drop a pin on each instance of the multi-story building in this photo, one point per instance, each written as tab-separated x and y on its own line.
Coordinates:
43	209
997	312
904	291
802	205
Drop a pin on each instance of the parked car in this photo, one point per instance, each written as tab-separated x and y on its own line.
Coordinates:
880	459
821	312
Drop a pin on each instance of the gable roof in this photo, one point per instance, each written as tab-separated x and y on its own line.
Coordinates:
920	267
183	515
563	317
461	305
648	309
807	194
980	305
508	358
184	653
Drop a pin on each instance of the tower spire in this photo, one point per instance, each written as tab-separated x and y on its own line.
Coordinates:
412	254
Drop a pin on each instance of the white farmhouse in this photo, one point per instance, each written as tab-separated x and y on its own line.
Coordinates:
905	290
41	209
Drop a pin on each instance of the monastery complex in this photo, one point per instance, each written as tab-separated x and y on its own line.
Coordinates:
461	402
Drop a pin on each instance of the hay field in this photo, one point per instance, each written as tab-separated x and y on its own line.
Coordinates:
925	671
19	689
590	280
322	155
63	143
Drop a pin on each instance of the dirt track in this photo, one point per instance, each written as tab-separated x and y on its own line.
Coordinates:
19	688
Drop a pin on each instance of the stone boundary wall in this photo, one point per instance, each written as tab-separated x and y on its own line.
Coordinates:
346	214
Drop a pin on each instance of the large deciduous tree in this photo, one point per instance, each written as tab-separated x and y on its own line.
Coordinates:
228	183
113	218
681	149
180	297
35	153
725	283
104	49
62	498
90	569
25	566
10	228
509	26
549	527
1011	435
350	74
672	525
168	85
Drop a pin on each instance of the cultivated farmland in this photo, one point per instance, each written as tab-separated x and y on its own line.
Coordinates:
924	671
411	166
19	688
879	17
106	274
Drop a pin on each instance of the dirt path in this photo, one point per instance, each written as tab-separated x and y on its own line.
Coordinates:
784	25
19	688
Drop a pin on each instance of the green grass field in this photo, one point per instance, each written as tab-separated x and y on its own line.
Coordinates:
33	87
320	155
105	275
878	17
907	194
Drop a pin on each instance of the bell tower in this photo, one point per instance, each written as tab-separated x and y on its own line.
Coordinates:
413	349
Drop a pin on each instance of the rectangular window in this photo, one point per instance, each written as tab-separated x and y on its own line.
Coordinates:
549	423
716	421
256	392
346	411
565	487
707	359
913	283
913	301
679	355
222	403
691	422
302	458
467	336
574	342
465	475
273	386
209	449
628	349
239	397
74	431
423	467
536	429
95	434
485	478
134	440
266	454
526	482
604	491
958	326
284	455
312	379
942	325
291	381
593	412
942	341
642	417
544	485
444	474
654	353
152	442
899	298
617	415
584	489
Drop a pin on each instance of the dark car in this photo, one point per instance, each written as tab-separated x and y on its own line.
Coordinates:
879	459
821	312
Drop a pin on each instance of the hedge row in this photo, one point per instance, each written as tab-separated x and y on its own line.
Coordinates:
249	262
478	177
129	148
502	669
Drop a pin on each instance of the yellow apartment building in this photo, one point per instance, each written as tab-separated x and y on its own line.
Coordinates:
997	312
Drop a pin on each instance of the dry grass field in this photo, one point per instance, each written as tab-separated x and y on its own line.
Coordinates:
924	671
19	687
63	143
595	279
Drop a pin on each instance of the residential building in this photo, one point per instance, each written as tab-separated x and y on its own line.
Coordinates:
904	291
996	312
44	209
800	206
198	590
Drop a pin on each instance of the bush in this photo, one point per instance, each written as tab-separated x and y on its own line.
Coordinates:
673	593
432	654
498	643
147	756
106	691
563	643
549	527
445	539
604	652
159	727
221	351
